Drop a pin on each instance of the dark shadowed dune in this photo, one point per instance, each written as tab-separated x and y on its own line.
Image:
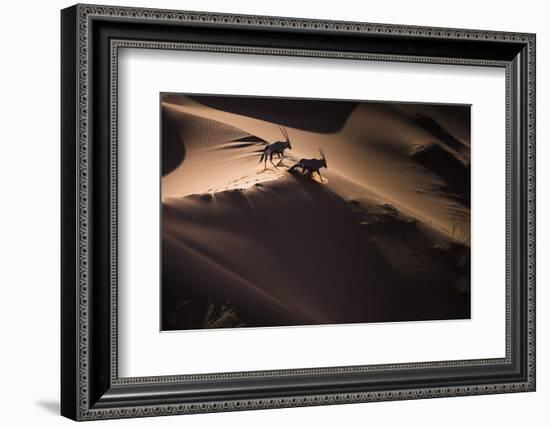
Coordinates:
455	119
322	116
449	140
293	252
454	174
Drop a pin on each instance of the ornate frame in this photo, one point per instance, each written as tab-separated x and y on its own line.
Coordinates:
91	37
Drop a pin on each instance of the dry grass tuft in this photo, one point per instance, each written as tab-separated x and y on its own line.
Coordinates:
222	317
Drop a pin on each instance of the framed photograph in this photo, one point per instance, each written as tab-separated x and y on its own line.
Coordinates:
263	212
255	236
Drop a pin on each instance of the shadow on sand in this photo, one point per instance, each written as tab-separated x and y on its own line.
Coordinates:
292	252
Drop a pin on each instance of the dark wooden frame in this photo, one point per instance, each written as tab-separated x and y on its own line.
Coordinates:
91	37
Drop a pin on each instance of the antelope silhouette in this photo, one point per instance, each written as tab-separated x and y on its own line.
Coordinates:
276	148
310	166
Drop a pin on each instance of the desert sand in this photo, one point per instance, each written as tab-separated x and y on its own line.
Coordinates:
384	237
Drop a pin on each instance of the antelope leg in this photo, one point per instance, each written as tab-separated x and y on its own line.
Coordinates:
271	160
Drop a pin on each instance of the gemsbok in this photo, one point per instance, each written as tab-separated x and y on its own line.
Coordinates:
310	166
276	148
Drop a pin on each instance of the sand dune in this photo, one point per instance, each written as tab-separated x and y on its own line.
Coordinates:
384	237
374	147
291	251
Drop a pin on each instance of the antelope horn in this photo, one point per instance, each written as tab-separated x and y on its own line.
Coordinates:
323	156
283	131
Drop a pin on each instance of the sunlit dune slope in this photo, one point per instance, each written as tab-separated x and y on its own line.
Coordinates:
397	151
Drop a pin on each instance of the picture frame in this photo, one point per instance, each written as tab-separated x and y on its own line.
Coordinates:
91	38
